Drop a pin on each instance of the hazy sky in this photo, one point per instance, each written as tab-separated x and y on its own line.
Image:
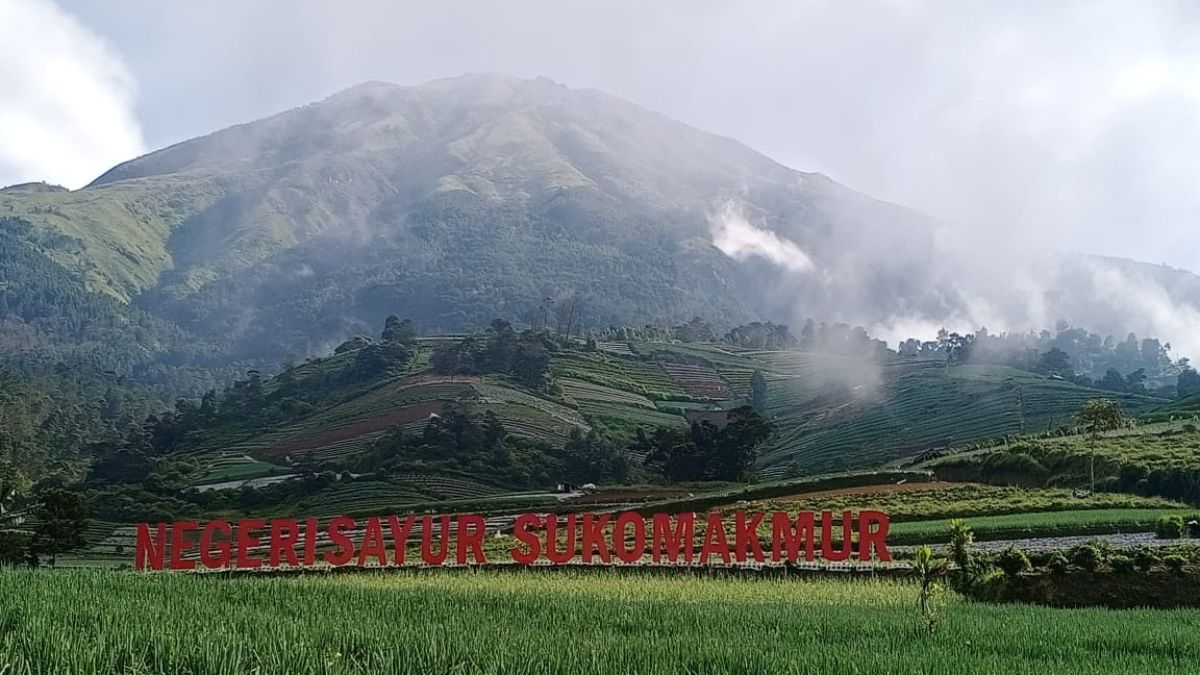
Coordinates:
1061	124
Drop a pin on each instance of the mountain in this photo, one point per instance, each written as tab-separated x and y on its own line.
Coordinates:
465	199
452	203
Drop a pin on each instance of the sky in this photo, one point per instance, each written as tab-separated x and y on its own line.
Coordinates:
1061	125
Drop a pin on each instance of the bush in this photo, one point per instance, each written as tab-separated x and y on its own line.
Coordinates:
1121	563
1087	556
1175	562
1012	561
14	546
1145	558
1169	527
1057	563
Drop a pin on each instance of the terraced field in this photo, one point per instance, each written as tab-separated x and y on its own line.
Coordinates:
361	497
621	373
489	393
719	356
1039	524
941	501
698	380
596	400
825	425
236	466
618	348
446	486
407	402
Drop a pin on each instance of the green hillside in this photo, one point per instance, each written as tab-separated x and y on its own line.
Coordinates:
831	412
450	202
469	198
835	417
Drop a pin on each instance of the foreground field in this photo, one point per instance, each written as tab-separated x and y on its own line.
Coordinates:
553	623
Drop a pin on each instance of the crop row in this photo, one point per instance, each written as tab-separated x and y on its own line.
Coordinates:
496	393
628	374
583	392
497	622
962	501
700	381
1038	524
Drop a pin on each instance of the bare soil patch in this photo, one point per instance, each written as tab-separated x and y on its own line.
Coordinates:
402	416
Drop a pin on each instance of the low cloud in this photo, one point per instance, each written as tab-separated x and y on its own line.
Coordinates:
733	234
66	113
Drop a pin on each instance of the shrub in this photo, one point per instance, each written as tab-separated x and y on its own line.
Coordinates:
1145	558
14	546
1175	562
1012	561
1087	556
1121	563
1057	563
1169	527
961	538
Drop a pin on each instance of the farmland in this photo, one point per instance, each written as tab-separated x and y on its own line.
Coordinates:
832	412
960	501
863	416
1039	524
89	621
1172	448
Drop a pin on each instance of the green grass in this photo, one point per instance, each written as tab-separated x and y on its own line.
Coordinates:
962	501
1170	449
85	622
1038	524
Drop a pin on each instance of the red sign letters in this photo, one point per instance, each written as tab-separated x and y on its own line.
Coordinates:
589	538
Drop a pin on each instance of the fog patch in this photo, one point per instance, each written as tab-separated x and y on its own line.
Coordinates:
734	235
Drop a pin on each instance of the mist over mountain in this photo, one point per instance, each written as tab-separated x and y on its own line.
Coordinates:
465	199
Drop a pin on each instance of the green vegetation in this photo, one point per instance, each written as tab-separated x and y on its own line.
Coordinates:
1154	461
73	622
1039	524
835	414
943	502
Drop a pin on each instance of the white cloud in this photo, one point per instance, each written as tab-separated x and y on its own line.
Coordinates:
738	239
66	107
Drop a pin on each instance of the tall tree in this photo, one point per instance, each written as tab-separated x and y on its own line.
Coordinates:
62	520
1188	383
1095	417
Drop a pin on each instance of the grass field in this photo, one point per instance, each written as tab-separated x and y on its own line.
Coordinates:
956	501
1038	524
87	622
1172	448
